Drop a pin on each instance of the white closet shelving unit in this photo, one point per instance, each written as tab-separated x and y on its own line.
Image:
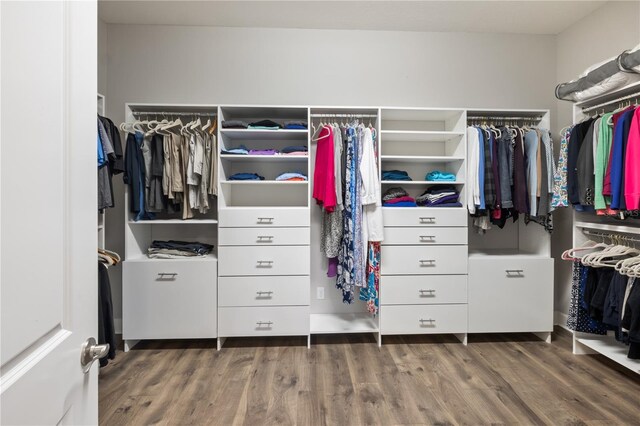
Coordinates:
424	253
584	343
511	269
101	215
264	229
169	298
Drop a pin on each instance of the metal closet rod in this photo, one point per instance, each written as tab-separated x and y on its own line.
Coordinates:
200	114
611	235
611	102
493	118
346	115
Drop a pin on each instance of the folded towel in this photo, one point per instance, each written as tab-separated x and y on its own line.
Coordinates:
400	200
395	175
437	175
291	176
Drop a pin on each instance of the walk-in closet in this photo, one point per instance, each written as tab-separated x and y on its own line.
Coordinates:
320	213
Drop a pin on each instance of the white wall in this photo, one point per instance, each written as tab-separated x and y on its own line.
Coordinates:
604	33
102	57
174	64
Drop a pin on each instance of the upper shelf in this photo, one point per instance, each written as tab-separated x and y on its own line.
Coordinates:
422	158
263	134
415	114
174	222
419	136
272	158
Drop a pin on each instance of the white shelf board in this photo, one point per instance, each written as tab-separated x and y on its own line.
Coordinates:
211	257
422	159
504	253
343	323
609	347
174	222
262	134
609	227
419	114
421	182
264	158
264	182
426	207
418	136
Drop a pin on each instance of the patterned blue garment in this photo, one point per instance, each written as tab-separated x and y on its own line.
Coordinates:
346	261
560	197
369	293
578	318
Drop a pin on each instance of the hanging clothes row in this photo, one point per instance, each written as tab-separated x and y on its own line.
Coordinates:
346	186
106	323
171	167
110	161
510	172
602	171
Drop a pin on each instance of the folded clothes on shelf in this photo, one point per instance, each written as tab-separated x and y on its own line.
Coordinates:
401	204
295	125
177	249
246	176
437	175
241	150
394	192
439	196
395	175
263	152
234	124
294	148
397	197
265	125
292	176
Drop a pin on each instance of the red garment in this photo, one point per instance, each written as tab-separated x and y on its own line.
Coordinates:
632	165
324	178
400	200
606	186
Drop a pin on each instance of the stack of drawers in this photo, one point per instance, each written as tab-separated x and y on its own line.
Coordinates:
423	285
264	267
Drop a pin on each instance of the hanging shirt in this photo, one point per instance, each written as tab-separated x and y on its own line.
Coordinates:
324	191
601	160
472	169
531	160
481	164
559	198
373	229
632	164
617	160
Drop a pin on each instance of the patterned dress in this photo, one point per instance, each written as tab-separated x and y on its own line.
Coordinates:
560	197
346	260
369	293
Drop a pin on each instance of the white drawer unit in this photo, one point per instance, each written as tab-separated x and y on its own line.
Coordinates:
510	295
423	319
424	216
276	260
263	237
263	291
169	299
424	236
423	289
264	321
264	217
412	260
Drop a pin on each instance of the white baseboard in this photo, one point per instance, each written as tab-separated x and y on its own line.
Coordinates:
117	323
560	319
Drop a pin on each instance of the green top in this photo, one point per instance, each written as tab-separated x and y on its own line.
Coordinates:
602	159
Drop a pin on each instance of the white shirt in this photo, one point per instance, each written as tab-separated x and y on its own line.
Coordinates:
473	168
372	229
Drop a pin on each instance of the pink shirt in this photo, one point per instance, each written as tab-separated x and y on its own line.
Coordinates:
324	181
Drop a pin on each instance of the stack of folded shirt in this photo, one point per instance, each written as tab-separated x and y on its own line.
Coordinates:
234	124
265	125
397	197
437	175
439	196
395	175
295	125
177	249
246	176
263	152
241	150
295	150
292	177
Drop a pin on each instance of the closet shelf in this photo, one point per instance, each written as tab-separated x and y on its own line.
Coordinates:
419	135
262	134
343	323
504	253
422	159
174	222
420	114
211	257
609	227
421	182
264	158
263	182
609	347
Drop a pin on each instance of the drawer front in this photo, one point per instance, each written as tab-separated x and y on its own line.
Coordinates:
423	319
278	260
263	237
510	295
420	260
263	291
424	216
169	299
422	236
263	321
423	289
264	217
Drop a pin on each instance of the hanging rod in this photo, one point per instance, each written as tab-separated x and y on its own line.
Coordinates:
610	235
611	102
346	115
200	114
494	118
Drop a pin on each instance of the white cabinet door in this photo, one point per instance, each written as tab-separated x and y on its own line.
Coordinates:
510	295
49	281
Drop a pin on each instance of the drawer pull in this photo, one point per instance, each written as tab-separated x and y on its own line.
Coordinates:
264	293
167	274
265	220
265	238
265	324
430	322
429	238
515	272
427	262
428	292
265	263
427	219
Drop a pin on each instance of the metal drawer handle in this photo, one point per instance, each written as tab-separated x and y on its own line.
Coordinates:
265	220
428	262
431	292
264	323
427	219
262	293
427	238
169	274
265	238
515	272
267	263
431	321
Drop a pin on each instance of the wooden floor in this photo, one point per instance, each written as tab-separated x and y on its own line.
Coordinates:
348	380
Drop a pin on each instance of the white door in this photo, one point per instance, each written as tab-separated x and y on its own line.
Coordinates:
48	287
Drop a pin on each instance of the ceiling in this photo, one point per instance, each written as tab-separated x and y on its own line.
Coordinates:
527	17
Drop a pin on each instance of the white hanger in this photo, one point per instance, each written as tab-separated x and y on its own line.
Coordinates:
318	131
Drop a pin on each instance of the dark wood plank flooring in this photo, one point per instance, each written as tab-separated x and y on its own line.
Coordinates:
348	380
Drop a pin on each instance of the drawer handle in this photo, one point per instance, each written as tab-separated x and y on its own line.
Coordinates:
429	322
427	262
427	292
515	273
265	238
264	293
265	263
265	220
167	274
427	219
428	238
265	324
